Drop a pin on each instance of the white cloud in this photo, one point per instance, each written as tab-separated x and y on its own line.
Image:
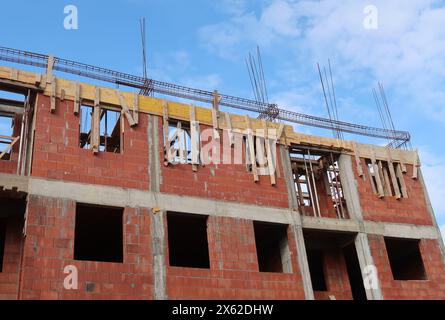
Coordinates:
433	167
281	18
207	82
442	230
405	52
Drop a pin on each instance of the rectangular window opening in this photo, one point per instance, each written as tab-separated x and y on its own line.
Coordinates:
11	102
405	259
316	269
86	116
272	247
98	233
109	129
187	240
179	135
6	132
316	176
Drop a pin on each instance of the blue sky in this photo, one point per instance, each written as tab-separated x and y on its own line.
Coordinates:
204	43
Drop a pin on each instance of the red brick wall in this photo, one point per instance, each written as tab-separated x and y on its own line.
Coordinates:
49	248
433	288
233	272
229	182
57	154
406	210
9	277
336	277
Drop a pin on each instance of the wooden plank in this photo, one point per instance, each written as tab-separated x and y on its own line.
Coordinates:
229	128
194	137
251	149
393	176
49	69
182	154
126	110
380	191
76	97
415	166
269	156
358	162
9	147
136	108
53	95
215	115
167	158
95	137
399	174
280	132
387	181
403	167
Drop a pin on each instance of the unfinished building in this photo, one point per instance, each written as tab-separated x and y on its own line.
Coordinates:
115	186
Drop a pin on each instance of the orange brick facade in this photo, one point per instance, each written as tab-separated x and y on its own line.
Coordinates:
33	264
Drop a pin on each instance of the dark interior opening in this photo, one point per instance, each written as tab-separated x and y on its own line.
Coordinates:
316	269
269	238
405	259
98	234
187	240
2	242
354	272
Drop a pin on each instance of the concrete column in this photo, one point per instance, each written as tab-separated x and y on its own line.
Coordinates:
303	263
296	224
158	241
365	259
349	185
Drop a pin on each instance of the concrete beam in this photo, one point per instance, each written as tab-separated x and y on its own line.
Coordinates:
115	196
345	225
13	182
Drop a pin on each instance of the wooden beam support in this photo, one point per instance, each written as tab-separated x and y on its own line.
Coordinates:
167	159
9	147
215	114
358	162
95	137
399	174
380	191
76	97
229	129
386	178
251	148
126	110
392	173
416	166
53	94
194	137
269	155
136	108
49	69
